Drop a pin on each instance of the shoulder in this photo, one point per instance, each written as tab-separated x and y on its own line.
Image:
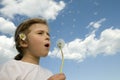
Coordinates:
7	68
8	63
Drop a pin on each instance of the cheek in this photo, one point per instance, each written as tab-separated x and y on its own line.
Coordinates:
35	41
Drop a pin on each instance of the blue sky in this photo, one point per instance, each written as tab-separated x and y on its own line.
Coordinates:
90	29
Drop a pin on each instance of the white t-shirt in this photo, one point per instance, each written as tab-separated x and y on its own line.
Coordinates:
18	70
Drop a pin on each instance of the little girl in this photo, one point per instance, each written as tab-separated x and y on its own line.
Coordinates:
32	41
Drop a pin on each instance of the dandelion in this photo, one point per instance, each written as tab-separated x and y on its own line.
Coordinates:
60	45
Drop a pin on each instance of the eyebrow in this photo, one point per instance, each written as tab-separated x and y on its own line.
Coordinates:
40	30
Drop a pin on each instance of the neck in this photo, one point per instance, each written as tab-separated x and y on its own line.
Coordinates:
31	59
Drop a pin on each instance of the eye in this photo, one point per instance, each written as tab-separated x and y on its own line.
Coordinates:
40	33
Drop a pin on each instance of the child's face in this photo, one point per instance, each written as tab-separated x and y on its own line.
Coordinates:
38	40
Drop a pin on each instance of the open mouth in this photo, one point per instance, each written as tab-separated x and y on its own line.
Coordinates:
47	45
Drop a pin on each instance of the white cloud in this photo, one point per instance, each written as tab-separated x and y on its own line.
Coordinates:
7	49
48	9
6	26
78	49
109	41
96	24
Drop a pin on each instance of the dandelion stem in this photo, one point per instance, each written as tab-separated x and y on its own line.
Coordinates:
62	63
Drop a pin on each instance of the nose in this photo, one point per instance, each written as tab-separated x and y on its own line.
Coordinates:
47	37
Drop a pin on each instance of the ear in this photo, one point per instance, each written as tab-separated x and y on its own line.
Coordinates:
23	43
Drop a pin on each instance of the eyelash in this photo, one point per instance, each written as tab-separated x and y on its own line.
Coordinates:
40	33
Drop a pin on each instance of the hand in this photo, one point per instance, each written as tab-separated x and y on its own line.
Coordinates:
59	76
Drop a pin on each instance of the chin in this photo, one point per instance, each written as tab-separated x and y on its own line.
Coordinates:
45	55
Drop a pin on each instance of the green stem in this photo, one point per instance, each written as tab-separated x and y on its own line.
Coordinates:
62	64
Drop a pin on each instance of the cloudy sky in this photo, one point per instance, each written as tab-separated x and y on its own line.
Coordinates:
90	29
